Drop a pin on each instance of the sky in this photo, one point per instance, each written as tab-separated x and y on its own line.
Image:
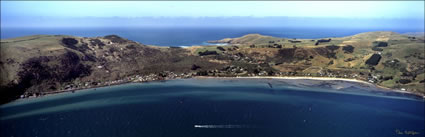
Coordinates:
80	13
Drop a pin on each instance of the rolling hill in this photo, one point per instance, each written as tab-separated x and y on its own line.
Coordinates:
44	63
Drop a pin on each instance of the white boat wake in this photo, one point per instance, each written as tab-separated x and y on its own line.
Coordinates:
221	126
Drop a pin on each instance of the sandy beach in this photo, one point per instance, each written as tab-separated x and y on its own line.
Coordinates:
317	78
251	77
313	78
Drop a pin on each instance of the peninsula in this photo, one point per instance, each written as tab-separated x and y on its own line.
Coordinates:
45	64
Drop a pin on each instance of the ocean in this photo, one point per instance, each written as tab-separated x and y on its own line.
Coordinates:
189	36
216	107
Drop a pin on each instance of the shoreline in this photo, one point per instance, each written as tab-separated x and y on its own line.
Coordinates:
319	78
237	77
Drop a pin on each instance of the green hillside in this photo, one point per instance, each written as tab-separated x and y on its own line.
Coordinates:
45	63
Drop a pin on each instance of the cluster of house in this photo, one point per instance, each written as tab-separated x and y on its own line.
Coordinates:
227	71
231	70
166	75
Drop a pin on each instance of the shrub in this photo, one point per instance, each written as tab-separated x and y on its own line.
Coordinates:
377	49
207	53
374	59
380	44
221	48
332	47
195	67
69	41
348	49
404	81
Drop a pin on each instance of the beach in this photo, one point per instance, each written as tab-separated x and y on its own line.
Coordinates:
251	106
293	80
320	79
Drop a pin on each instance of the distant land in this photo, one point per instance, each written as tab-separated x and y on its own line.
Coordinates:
234	21
192	36
45	64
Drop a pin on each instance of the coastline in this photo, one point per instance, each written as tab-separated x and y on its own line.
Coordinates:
237	77
319	78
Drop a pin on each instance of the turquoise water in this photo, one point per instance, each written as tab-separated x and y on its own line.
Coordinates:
216	107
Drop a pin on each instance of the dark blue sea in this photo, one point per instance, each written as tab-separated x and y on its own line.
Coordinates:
216	108
189	36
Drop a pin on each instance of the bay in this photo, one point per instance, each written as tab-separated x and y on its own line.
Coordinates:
217	107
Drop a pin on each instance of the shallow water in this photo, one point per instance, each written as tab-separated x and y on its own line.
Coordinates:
216	107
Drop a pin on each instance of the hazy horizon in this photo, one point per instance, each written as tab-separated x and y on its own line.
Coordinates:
338	14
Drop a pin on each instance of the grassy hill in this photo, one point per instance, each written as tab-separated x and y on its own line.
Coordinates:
44	63
400	65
